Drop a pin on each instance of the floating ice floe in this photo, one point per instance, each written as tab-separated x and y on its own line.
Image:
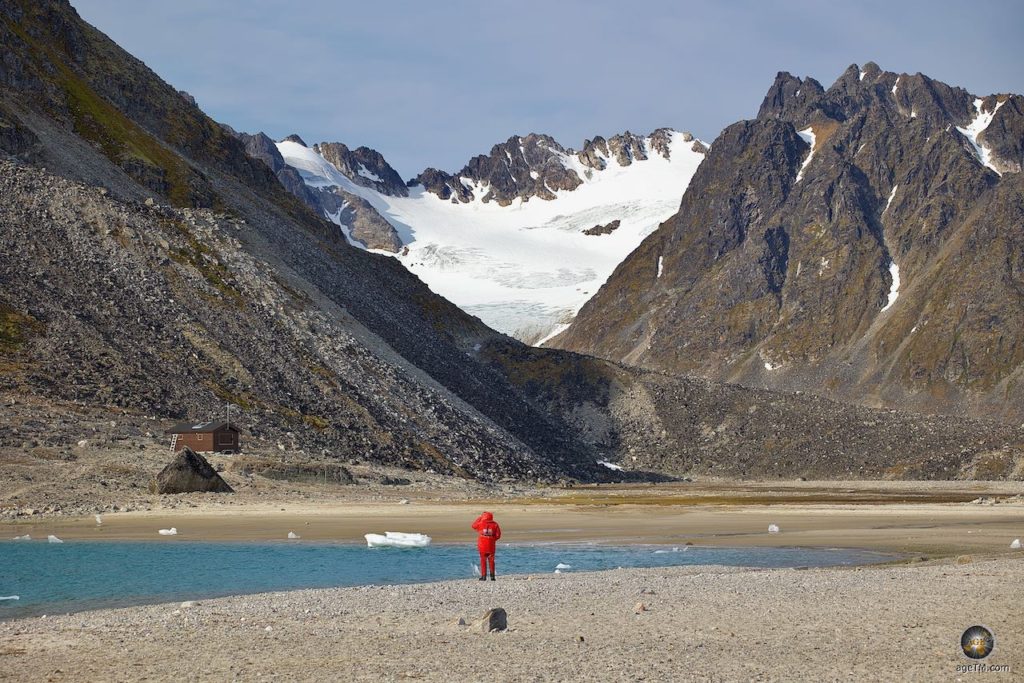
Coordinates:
773	529
674	549
292	535
53	539
397	539
562	565
10	597
173	531
1016	544
26	537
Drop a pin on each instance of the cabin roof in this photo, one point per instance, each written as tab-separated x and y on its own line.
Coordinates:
200	427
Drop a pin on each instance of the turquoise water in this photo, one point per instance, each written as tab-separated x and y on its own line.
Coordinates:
75	576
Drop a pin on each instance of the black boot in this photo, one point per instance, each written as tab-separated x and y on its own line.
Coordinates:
483	578
492	577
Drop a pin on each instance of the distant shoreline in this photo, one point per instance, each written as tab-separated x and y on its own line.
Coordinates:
712	514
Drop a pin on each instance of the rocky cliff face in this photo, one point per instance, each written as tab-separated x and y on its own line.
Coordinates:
858	242
359	221
364	166
535	165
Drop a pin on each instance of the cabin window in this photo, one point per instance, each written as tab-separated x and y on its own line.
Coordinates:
199	437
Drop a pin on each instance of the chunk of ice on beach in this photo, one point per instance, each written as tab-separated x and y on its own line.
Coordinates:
1016	544
292	535
562	565
26	537
558	571
10	597
173	531
773	529
397	539
53	539
99	520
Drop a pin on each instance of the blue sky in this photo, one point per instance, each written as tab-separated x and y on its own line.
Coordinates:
432	84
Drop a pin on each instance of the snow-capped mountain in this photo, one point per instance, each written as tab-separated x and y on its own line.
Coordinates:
520	238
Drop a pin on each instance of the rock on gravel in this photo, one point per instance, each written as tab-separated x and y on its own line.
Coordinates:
495	619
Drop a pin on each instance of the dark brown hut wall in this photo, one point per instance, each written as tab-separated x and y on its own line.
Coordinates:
222	438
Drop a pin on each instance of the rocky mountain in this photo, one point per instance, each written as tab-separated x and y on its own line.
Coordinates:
512	237
864	242
139	300
155	267
359	221
537	166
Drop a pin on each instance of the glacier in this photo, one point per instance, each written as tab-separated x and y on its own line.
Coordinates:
527	268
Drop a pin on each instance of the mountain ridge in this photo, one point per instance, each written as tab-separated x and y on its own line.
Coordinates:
516	253
816	247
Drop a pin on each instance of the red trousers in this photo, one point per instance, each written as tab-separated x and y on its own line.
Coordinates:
486	557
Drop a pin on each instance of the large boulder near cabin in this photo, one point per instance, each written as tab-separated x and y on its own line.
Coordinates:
189	472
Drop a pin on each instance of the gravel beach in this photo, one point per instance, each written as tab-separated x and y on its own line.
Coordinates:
706	624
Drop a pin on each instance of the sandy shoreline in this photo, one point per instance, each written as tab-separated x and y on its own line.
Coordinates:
894	622
907	520
698	623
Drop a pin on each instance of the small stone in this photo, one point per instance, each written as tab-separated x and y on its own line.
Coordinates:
150	202
494	620
269	629
579	639
964	559
83	443
461	622
640	607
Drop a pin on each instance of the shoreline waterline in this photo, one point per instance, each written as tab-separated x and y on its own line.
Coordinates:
86	575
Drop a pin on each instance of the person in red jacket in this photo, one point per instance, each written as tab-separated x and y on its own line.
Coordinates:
487	540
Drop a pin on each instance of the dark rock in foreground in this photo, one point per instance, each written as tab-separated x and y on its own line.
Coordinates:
189	472
495	620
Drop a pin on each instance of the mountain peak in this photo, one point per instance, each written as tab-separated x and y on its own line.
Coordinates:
364	166
845	235
537	165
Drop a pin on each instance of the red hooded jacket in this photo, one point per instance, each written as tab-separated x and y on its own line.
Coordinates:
489	532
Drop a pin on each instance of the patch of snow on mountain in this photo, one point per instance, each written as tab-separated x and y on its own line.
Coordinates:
367	173
896	85
894	288
336	219
892	195
661	265
527	268
807	135
975	128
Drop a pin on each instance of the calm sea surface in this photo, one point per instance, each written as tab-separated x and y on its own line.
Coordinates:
81	575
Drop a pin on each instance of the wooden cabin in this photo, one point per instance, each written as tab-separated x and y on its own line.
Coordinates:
217	436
